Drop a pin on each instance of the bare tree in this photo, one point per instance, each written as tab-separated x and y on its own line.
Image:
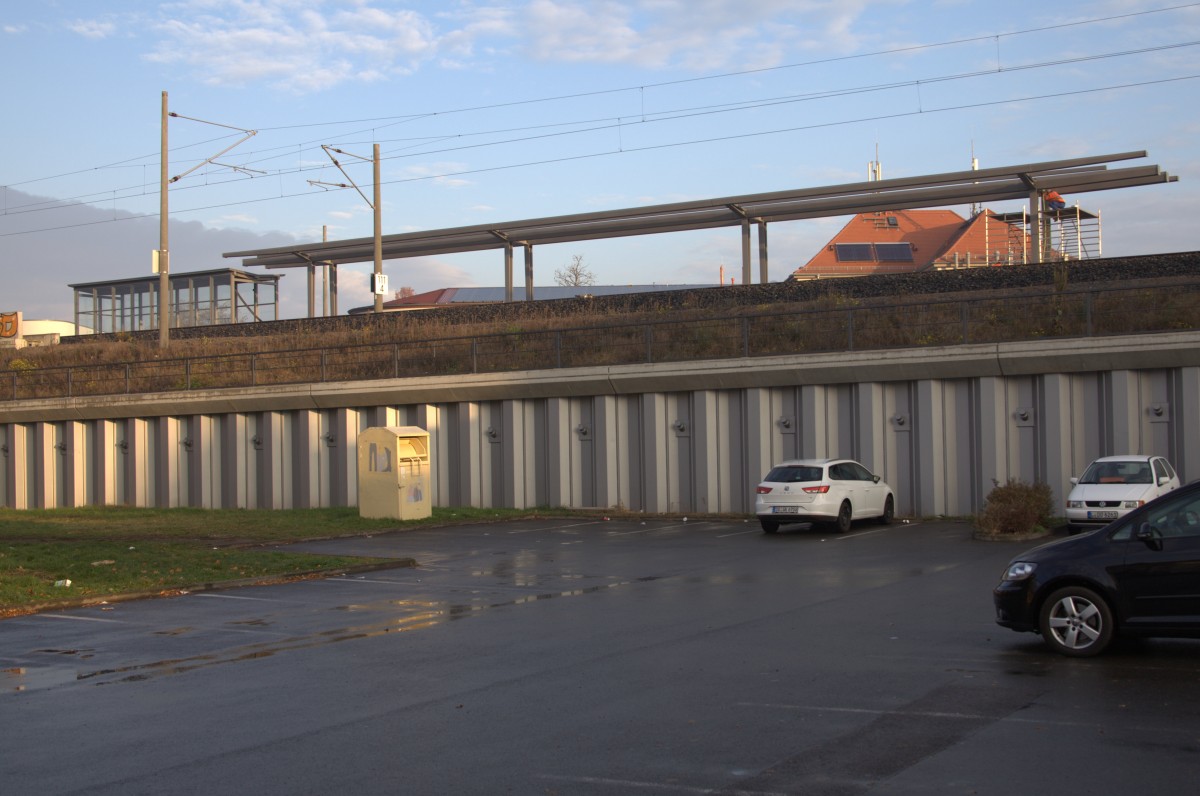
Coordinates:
574	275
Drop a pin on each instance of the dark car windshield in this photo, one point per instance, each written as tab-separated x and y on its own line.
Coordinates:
790	474
1118	473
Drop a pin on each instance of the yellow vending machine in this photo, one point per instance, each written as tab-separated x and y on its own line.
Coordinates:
393	473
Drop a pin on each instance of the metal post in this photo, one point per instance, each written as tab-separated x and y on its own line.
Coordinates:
508	271
378	231
763	276
164	257
747	279
529	272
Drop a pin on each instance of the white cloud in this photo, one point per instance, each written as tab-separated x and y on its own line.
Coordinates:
92	28
439	173
15	29
292	44
306	46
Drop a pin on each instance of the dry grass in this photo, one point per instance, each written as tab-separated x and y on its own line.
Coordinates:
574	334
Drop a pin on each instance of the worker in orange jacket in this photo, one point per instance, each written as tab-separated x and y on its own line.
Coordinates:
1054	200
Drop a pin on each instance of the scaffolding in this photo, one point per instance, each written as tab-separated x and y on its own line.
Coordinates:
198	298
1068	234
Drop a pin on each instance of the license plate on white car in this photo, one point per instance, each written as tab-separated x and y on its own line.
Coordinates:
785	509
1102	515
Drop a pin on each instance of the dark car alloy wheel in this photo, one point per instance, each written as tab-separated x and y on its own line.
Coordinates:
1076	621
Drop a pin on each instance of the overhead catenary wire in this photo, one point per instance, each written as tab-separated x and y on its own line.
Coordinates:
653	147
661	84
590	125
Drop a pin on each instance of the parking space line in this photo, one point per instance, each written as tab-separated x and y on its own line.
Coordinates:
369	580
556	528
931	714
739	533
664	787
81	618
235	597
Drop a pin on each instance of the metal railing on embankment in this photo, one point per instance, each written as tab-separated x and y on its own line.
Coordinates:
1077	312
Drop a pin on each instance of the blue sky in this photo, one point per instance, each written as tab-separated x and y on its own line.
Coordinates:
489	112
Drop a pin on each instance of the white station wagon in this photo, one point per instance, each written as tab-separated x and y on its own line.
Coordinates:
825	491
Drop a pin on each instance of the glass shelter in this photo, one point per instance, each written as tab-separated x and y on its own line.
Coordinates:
198	298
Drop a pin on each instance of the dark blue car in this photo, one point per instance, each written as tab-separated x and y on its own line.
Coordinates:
1139	576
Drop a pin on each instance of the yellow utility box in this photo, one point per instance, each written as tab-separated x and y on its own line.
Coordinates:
393	473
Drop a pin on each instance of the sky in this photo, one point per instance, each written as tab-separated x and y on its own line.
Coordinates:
488	112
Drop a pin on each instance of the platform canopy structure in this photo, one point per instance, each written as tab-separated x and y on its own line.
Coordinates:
1071	176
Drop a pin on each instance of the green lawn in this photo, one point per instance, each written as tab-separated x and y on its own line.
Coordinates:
112	551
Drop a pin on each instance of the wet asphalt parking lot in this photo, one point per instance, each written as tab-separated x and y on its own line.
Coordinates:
581	656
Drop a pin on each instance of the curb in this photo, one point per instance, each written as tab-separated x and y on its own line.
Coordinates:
178	591
983	536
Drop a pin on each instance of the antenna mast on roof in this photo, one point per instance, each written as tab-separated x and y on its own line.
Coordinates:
974	167
875	168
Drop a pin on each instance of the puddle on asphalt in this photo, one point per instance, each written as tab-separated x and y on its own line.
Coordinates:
418	615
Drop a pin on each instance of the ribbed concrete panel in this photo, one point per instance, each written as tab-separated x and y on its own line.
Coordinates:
306	461
765	426
19	466
237	453
431	417
75	464
939	425
680	453
275	460
170	463
47	466
654	451
1055	407
106	459
204	453
1185	421
612	463
518	449
466	451
563	487
342	442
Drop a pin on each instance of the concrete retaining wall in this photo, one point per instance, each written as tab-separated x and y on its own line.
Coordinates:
939	424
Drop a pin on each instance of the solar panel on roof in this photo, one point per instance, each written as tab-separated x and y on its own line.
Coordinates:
894	252
853	252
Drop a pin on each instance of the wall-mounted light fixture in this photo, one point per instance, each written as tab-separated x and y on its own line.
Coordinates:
785	423
61	447
1159	413
900	422
256	441
329	439
583	431
1025	416
492	433
186	442
123	445
679	426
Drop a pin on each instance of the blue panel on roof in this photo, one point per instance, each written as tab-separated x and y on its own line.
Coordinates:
854	252
894	252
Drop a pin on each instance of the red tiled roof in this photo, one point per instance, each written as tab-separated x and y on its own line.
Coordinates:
934	235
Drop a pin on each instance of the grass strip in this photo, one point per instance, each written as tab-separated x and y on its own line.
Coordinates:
115	550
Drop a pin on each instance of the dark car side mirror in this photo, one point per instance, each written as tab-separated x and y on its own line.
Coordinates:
1150	535
875	478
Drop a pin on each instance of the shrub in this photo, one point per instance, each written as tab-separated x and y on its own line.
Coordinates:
1016	508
